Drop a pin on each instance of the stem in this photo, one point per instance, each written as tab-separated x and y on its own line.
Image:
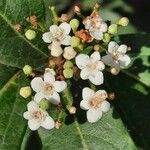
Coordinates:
92	86
67	96
54	14
42	27
61	116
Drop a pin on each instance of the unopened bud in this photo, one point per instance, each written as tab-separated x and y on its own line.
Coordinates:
64	18
77	9
44	104
18	27
106	38
69	53
30	34
80	47
72	110
97	6
74	41
124	21
27	70
113	29
97	47
68	73
25	92
58	124
114	71
68	64
111	96
74	23
129	49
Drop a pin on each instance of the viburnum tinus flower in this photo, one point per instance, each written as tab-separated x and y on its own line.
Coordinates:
37	117
47	88
69	53
91	67
95	103
116	56
95	25
59	34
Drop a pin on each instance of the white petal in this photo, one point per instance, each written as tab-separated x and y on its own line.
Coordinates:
53	28
66	40
48	123
112	46
105	106
27	115
59	86
100	66
65	27
82	60
103	27
36	84
39	96
32	106
84	74
87	93
107	60
56	49
96	34
47	37
84	104
103	94
122	48
97	78
96	56
124	61
33	125
55	98
93	115
49	77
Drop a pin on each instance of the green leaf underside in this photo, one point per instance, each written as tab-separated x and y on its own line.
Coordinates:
108	133
15	49
12	105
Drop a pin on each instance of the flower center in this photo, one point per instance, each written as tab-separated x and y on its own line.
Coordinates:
47	88
92	65
116	56
38	116
58	35
97	100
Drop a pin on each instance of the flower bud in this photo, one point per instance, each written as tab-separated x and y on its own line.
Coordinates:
68	64
72	110
27	70
18	27
97	47
56	49
112	29
106	38
80	47
74	41
69	53
30	34
74	23
25	92
68	73
64	18
111	96
114	71
58	124
44	104
124	21
77	9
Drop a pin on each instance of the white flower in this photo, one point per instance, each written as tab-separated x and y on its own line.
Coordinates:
69	53
116	56
37	117
95	25
95	103
91	67
58	33
47	88
56	49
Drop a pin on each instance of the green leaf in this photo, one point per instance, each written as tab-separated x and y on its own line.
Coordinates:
108	133
15	49
12	105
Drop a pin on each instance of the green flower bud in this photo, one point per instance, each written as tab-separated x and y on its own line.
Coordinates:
44	104
68	64
112	29
30	34
27	70
68	73
106	38
124	21
74	23
25	92
74	41
80	47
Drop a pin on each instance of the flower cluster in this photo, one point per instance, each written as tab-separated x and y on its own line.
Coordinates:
78	49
